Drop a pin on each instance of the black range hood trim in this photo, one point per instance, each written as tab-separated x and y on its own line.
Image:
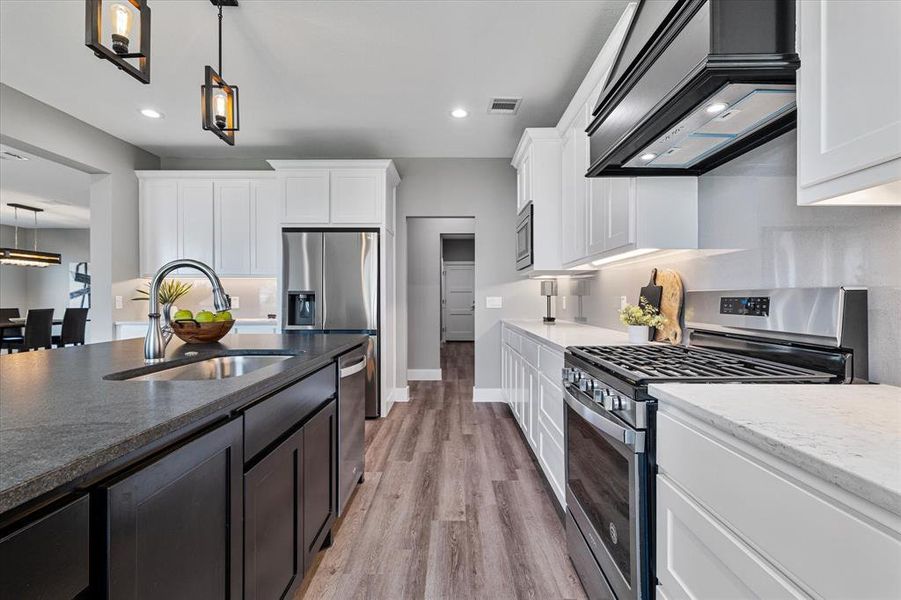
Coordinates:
708	76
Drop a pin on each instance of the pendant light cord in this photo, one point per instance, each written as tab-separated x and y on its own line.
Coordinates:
35	236
16	217
220	39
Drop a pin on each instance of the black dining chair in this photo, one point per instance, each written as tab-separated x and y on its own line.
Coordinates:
38	331
74	321
10	333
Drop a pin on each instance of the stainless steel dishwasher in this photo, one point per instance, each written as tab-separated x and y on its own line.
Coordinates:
351	418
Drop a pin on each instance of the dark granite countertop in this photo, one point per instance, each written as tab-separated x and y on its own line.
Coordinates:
60	419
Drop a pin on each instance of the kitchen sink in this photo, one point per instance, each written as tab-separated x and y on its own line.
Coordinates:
220	367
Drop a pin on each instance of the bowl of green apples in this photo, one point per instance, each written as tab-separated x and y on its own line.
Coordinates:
202	328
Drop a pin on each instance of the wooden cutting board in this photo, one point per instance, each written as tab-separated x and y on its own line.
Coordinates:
671	303
652	293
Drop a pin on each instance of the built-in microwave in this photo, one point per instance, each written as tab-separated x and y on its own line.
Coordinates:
524	238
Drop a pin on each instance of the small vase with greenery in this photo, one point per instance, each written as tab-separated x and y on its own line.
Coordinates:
640	319
170	291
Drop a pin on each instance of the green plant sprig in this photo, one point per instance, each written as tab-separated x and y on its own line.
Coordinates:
643	314
170	291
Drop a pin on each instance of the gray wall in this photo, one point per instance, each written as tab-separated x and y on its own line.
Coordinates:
454	249
753	234
41	129
13	280
484	189
424	286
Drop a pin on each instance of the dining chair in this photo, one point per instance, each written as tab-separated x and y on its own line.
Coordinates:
38	331
10	333
74	321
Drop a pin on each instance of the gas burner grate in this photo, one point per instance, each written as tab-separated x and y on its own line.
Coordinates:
680	363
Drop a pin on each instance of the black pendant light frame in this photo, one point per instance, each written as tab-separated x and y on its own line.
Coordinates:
94	33
213	81
28	258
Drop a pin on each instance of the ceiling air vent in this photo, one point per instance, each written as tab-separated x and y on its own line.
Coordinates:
504	106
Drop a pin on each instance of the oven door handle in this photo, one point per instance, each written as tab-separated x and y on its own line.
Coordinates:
632	439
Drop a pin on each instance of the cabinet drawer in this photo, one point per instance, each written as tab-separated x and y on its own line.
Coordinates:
49	557
551	407
813	540
551	363
529	351
265	422
512	339
699	558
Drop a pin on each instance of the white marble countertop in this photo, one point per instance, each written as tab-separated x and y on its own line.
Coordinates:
566	333
238	321
849	435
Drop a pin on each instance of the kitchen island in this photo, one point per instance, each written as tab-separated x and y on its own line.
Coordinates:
157	477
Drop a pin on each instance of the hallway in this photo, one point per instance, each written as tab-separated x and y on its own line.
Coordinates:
452	506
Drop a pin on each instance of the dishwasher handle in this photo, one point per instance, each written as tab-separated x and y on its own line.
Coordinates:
353	369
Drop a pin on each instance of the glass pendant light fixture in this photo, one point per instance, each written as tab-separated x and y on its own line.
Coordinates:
218	99
27	258
119	31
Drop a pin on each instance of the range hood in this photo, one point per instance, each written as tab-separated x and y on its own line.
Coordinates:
697	83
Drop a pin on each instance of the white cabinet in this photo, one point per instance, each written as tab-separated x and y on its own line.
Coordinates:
575	189
265	227
611	214
233	227
160	224
849	102
307	197
355	196
196	212
538	164
254	329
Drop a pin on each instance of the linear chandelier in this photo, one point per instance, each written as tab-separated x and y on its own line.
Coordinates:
218	99
27	258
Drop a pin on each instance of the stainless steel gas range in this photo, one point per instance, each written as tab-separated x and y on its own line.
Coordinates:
801	335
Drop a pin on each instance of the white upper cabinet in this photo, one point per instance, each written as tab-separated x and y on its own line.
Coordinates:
160	224
575	188
355	196
233	227
266	206
538	164
849	102
196	212
307	197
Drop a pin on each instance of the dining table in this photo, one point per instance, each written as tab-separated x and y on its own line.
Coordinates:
21	324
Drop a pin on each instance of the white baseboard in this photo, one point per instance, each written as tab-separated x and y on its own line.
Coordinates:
423	374
400	394
488	395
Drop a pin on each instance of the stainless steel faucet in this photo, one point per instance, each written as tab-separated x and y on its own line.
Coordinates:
155	342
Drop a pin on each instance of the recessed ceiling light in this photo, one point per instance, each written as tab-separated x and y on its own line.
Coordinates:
151	114
459	113
717	107
648	156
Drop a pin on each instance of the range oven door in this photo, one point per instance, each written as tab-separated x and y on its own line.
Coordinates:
607	479
524	238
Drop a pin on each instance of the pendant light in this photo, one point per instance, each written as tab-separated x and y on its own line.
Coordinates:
218	99
27	258
119	31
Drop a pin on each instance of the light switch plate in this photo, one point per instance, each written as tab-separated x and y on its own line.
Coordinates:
562	302
623	301
494	302
118	301
236	302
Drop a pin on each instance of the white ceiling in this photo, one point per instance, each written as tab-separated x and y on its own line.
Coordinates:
338	79
62	192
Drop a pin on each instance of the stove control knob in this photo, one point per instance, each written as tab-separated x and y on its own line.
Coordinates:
586	385
613	401
598	395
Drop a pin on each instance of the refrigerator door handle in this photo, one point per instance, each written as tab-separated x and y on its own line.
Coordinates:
324	311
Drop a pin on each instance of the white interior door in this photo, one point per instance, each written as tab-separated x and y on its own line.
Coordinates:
458	301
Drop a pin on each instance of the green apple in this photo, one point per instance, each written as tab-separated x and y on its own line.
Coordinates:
183	315
223	316
204	316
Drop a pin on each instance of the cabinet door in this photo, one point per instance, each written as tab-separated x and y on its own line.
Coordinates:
599	192
196	211
273	522
355	196
175	525
849	94
307	197
159	224
619	213
534	394
320	502
233	226
526	168
569	224
266	203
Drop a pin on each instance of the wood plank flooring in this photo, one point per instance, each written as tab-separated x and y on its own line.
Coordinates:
452	506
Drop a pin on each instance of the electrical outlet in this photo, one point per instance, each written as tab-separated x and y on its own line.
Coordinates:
118	301
236	302
623	301
562	302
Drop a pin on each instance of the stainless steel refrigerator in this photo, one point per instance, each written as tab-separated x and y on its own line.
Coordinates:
330	283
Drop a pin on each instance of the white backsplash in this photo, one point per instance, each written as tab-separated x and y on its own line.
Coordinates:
754	235
258	296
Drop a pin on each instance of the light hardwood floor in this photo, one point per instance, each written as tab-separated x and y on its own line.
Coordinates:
452	506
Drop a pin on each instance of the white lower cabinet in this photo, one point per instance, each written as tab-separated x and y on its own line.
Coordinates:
733	522
528	372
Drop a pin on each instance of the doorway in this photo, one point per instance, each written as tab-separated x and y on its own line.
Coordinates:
457	288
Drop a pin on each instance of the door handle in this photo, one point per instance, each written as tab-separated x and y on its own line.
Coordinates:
631	439
353	369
